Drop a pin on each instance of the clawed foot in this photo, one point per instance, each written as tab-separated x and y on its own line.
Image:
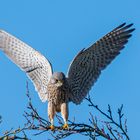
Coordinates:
52	127
65	126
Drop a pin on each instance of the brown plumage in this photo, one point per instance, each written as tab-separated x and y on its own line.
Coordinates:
58	96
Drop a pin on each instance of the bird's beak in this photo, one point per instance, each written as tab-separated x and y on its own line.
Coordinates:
60	83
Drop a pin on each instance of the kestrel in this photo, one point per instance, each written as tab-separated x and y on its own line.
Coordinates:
55	87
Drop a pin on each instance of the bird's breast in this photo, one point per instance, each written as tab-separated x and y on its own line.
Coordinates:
57	95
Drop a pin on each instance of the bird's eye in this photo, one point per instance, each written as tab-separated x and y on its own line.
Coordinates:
56	80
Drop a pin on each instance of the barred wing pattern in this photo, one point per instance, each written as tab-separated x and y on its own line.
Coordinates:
36	66
87	65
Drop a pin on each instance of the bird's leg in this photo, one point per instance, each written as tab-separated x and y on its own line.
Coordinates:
51	114
52	124
65	113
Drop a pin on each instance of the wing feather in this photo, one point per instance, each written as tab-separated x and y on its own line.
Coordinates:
87	65
36	66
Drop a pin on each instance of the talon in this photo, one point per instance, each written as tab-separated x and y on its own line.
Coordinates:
52	127
65	126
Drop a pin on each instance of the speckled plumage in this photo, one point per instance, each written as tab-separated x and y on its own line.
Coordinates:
61	96
83	72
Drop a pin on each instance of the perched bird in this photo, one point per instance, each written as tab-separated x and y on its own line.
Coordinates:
55	87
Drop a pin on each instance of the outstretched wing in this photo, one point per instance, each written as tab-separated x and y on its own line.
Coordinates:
87	65
36	66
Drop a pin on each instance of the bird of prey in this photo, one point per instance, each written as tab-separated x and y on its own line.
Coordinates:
55	87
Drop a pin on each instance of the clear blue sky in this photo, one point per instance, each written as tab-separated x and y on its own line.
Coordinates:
59	29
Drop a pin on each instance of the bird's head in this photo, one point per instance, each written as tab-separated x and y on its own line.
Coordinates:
57	79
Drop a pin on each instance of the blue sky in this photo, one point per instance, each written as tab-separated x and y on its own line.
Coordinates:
59	29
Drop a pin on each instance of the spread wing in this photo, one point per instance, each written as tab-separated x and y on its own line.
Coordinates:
36	66
87	65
